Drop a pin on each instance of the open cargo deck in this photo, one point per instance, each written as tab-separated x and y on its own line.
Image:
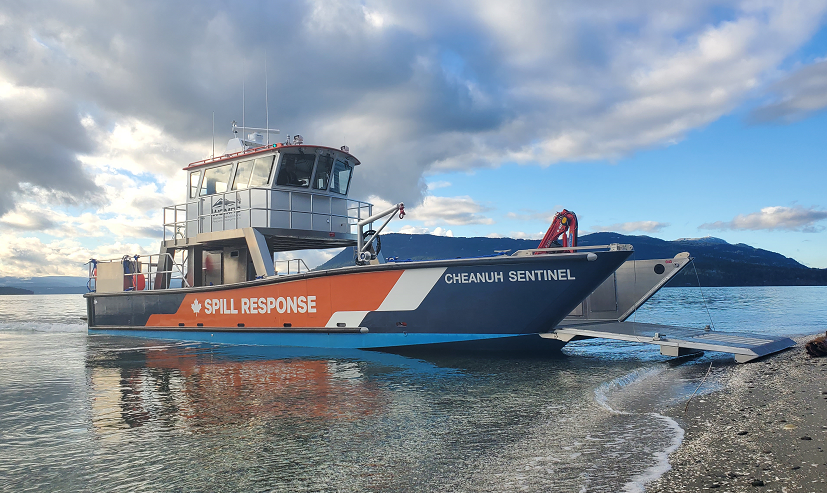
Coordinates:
675	341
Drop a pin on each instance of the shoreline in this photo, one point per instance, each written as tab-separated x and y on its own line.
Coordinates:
765	430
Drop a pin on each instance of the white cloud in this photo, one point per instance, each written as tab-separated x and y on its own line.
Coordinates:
799	94
417	230
26	256
438	184
434	210
795	218
633	226
519	235
452	210
311	259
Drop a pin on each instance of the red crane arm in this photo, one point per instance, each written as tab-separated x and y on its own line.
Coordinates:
565	225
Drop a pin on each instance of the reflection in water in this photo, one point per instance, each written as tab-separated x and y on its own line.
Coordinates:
196	389
258	418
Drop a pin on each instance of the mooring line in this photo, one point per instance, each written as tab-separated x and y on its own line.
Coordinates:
699	386
701	289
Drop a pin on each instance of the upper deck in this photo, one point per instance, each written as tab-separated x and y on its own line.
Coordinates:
295	195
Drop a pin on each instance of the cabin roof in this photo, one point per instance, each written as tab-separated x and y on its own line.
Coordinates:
260	150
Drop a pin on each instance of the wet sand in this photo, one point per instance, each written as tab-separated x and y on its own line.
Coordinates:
766	430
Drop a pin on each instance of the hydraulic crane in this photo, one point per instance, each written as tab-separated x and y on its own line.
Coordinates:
565	225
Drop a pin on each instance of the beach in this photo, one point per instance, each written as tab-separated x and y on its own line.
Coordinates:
764	430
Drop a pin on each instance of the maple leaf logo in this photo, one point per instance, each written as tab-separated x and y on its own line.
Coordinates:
196	307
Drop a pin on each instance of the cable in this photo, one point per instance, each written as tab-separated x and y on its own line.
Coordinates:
701	289
696	390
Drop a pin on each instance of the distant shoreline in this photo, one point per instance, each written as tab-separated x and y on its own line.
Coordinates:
14	291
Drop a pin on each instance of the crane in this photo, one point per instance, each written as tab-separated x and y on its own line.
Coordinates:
565	225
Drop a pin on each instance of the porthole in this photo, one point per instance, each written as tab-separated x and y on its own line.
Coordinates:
659	269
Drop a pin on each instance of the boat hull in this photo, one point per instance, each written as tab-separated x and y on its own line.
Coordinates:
475	303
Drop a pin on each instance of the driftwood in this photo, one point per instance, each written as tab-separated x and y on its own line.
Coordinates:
817	348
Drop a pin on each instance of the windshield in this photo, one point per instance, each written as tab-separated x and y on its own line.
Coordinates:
322	176
341	177
295	170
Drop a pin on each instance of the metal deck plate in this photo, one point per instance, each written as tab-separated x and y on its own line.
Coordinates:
675	341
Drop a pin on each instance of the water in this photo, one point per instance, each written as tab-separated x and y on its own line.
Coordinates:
91	413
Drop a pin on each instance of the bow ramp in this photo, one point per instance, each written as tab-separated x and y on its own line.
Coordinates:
603	315
675	341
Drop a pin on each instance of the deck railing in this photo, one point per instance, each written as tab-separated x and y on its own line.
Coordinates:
143	272
264	208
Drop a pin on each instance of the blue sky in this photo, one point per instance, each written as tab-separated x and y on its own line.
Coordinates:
485	117
726	169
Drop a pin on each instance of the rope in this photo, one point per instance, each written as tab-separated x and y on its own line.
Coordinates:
702	294
699	386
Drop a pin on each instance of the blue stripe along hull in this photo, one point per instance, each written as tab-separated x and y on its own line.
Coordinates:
490	342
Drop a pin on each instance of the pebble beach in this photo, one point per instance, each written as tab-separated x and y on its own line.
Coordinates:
764	430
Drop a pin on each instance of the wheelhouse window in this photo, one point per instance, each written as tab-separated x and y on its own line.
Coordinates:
215	180
261	171
253	173
341	177
195	177
242	174
322	177
295	170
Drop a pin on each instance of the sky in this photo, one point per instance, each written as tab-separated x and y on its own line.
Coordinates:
667	119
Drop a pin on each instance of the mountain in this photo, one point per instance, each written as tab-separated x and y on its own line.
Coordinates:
717	262
47	284
4	290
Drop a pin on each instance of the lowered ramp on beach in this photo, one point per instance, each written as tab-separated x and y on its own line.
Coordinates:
603	315
674	341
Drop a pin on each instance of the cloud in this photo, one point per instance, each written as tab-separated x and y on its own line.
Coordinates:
417	230
795	218
450	210
529	215
438	184
798	95
417	87
103	104
520	235
633	226
434	210
25	256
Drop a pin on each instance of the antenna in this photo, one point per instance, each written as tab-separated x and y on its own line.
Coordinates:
243	127
266	101
213	134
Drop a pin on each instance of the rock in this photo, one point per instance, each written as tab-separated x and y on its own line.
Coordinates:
805	437
715	485
795	468
817	348
742	433
757	482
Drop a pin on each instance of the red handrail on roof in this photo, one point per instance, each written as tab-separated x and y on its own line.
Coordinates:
256	150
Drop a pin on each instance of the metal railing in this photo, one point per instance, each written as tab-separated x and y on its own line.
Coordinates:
538	251
291	266
143	273
255	207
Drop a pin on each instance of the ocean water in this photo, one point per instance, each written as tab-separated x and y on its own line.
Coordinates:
99	413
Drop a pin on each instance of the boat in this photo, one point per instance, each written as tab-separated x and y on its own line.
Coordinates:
215	278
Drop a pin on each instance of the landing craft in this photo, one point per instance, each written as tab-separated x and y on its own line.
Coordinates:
215	280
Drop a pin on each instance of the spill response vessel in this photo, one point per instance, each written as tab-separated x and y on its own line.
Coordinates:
215	278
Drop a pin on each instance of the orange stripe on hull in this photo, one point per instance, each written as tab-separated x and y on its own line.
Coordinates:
301	303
